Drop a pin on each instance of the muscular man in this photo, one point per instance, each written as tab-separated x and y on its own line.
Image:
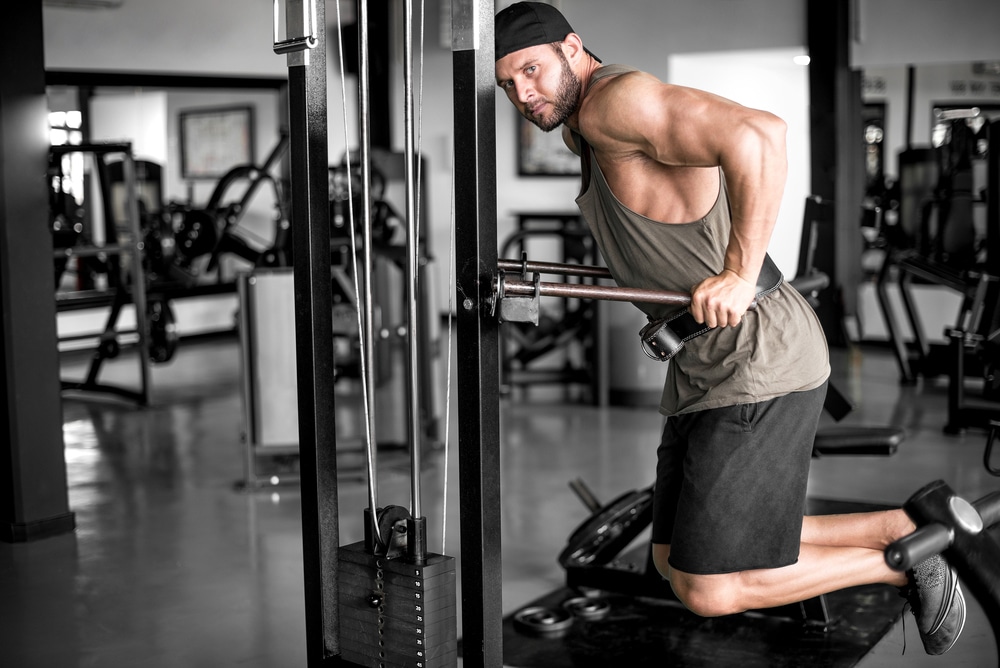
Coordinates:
681	191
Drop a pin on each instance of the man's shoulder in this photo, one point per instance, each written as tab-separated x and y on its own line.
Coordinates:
614	69
613	90
619	75
612	86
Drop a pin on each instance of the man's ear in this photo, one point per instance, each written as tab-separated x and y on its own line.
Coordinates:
572	46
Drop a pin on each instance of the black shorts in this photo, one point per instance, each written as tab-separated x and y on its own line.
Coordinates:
731	484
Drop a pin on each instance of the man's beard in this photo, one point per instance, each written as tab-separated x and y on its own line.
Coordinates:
566	101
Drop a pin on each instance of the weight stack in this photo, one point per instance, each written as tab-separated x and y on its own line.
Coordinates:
396	614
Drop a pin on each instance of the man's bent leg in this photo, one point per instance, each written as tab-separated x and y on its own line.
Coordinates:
932	589
819	570
875	530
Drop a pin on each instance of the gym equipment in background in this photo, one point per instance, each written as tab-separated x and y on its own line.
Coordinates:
202	235
385	601
944	194
176	250
563	347
112	252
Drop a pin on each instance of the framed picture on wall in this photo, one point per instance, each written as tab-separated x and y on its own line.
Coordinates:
543	153
214	140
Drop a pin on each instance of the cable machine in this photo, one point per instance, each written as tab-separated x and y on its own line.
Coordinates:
384	601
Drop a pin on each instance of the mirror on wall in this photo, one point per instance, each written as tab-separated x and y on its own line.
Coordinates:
912	108
200	227
236	126
926	145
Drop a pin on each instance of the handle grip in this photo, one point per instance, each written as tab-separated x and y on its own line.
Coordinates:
925	542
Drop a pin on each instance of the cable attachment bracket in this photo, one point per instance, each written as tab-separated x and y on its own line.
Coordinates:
516	309
300	15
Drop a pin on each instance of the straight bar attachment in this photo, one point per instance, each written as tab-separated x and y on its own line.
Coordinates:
517	299
512	287
526	266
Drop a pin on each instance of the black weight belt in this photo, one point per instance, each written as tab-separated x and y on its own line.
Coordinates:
664	337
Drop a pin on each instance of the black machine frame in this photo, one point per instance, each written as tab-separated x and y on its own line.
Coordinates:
478	364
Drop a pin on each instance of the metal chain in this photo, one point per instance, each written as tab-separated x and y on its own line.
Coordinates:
380	593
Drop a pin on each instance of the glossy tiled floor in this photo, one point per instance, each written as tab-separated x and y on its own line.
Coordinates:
172	566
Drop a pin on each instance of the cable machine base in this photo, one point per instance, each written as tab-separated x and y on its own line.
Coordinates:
396	613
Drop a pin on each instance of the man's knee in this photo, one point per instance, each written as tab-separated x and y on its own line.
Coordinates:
661	556
707	595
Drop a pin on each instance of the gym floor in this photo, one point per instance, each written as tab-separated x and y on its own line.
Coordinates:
172	566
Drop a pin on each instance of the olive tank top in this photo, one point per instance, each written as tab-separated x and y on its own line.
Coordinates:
777	348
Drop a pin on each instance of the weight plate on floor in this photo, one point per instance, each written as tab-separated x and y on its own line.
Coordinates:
599	539
587	608
541	621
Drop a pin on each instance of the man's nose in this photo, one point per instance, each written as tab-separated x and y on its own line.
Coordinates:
525	92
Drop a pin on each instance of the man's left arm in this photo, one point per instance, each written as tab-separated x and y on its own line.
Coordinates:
755	165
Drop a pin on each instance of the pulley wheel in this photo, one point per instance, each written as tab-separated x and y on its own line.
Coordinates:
392	531
543	622
587	608
598	540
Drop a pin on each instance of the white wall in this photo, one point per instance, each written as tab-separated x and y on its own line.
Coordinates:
231	37
139	117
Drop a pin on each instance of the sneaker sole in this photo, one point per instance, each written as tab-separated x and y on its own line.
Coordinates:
946	608
960	599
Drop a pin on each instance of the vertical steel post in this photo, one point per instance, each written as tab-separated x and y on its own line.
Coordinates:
411	264
993	197
33	490
368	262
305	47
478	365
135	246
